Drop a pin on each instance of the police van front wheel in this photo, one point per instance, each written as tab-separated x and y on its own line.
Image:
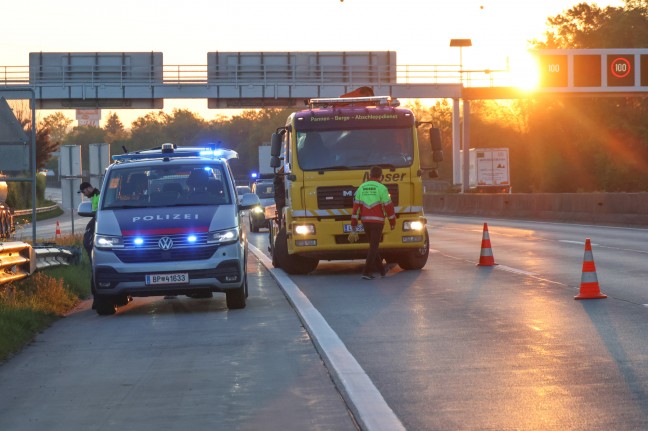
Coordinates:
235	298
416	259
104	306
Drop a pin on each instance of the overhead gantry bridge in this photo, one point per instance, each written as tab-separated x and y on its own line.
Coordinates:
229	80
122	80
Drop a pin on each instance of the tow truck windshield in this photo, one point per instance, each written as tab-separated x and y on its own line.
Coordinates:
354	148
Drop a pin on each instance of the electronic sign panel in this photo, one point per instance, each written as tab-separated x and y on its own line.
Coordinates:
553	70
607	70
620	70
587	70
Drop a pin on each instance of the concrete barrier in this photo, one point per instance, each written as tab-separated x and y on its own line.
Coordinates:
625	209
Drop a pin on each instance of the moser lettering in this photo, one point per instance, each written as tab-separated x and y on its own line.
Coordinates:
387	178
167	217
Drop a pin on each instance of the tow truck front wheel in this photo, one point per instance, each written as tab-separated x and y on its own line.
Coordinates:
292	264
416	259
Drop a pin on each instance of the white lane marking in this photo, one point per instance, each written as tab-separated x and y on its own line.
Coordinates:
604	246
516	271
366	402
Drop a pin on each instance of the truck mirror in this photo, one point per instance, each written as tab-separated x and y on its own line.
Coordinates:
435	144
275	162
437	156
275	145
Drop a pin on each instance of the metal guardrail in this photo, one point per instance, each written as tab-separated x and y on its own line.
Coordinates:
38	210
16	259
48	256
19	260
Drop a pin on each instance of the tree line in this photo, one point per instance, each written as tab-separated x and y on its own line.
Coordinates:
557	144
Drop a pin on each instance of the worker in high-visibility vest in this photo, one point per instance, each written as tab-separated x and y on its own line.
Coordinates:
371	204
88	236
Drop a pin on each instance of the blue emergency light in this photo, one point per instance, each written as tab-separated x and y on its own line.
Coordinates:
171	150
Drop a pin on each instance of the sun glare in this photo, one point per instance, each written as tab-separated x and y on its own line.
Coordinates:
524	72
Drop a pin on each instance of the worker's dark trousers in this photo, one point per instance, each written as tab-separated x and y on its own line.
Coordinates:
374	261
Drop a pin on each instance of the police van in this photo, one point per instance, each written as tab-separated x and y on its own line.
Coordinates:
169	223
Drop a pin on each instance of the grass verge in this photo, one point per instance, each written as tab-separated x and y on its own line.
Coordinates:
30	305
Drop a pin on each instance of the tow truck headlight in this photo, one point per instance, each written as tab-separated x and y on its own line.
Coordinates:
106	242
305	229
415	225
227	236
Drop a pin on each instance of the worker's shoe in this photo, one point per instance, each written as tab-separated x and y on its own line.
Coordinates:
368	277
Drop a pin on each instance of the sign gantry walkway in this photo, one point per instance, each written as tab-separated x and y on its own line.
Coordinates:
124	80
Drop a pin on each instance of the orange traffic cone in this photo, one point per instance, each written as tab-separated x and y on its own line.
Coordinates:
58	229
486	255
589	287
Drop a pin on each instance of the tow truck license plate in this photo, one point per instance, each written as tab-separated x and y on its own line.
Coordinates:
348	228
156	279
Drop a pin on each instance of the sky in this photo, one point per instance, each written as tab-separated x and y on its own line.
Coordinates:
185	31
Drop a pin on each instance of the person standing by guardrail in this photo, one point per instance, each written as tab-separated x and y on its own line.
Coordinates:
88	236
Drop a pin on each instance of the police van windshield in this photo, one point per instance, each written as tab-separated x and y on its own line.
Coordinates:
356	148
168	185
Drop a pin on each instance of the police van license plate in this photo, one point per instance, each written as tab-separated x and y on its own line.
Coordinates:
157	279
348	228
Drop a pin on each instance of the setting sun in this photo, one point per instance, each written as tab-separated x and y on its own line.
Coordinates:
524	72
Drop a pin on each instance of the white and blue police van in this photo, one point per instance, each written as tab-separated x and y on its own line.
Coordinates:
169	223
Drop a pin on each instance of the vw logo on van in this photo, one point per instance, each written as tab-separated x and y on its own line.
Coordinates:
165	243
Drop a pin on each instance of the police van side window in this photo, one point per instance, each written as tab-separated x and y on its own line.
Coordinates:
126	188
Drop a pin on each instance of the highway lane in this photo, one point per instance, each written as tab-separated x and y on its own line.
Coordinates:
174	364
456	346
553	251
69	222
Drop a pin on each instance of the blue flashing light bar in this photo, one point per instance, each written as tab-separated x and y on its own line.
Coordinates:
169	150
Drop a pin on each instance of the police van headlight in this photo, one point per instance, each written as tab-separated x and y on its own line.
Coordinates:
107	242
227	236
305	229
257	210
413	225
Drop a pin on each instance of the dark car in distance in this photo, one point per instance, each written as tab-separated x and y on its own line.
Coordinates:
264	189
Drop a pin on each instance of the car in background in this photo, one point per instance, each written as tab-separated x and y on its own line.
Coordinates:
241	190
264	189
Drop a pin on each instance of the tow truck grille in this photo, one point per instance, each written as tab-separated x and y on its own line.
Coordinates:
333	197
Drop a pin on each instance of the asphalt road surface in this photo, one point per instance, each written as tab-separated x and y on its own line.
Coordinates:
452	347
174	364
